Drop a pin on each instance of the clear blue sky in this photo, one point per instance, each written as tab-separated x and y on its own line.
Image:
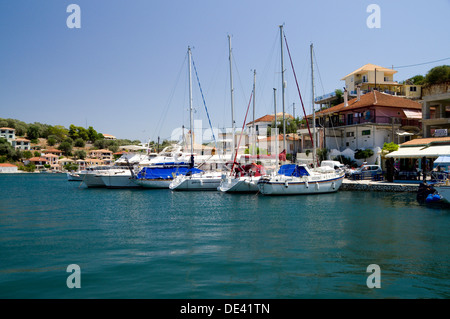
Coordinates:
124	71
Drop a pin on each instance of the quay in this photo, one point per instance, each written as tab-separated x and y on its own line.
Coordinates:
378	186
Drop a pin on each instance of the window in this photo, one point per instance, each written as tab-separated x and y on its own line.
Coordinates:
365	132
386	79
350	134
412	89
349	119
364	79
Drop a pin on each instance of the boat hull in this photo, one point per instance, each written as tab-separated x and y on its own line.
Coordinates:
116	181
72	177
239	185
92	180
153	183
444	191
297	187
196	184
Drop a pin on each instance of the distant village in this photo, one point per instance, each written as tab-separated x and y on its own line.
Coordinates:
374	118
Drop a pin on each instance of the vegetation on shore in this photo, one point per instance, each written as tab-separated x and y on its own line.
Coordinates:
75	141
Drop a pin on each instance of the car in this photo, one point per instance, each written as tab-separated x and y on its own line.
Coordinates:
367	172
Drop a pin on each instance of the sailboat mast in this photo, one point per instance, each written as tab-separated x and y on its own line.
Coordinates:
282	87
276	127
313	109
190	102
254	124
232	99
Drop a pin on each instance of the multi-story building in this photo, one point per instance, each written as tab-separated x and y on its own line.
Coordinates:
21	143
8	133
365	122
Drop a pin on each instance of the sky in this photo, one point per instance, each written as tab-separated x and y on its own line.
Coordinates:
125	70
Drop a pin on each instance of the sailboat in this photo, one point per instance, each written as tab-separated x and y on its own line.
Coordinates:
295	179
194	180
243	179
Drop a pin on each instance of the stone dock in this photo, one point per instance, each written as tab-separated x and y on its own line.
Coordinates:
378	186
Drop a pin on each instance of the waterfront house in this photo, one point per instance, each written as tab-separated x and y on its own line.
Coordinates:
39	162
292	144
53	151
264	123
8	168
8	133
371	76
21	143
436	116
101	154
367	121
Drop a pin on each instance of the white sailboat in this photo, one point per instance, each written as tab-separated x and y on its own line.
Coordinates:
201	180
295	179
244	179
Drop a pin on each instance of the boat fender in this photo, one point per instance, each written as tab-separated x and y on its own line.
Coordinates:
317	186
306	184
333	185
286	184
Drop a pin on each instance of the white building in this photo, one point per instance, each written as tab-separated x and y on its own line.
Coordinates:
8	133
8	168
21	143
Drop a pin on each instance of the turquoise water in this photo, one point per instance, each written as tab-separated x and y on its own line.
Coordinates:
164	244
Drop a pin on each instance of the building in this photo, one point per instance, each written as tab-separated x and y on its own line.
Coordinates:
109	137
264	123
435	116
8	133
39	162
8	168
371	76
101	154
53	151
292	144
365	122
21	143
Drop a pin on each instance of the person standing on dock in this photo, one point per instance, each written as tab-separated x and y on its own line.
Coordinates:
423	164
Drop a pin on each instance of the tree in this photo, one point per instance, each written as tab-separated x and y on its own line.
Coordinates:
33	132
27	154
322	153
417	79
79	142
390	147
439	74
60	132
51	140
37	154
80	154
66	147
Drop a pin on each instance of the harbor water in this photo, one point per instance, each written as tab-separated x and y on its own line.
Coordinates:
156	244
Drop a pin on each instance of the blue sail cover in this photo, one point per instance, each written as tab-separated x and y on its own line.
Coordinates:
293	170
165	172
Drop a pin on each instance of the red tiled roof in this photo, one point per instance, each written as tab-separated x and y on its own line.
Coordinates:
373	98
270	117
38	159
426	141
7	165
52	150
7	128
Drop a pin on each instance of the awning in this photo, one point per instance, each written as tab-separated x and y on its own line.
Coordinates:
413	114
435	151
406	152
418	152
